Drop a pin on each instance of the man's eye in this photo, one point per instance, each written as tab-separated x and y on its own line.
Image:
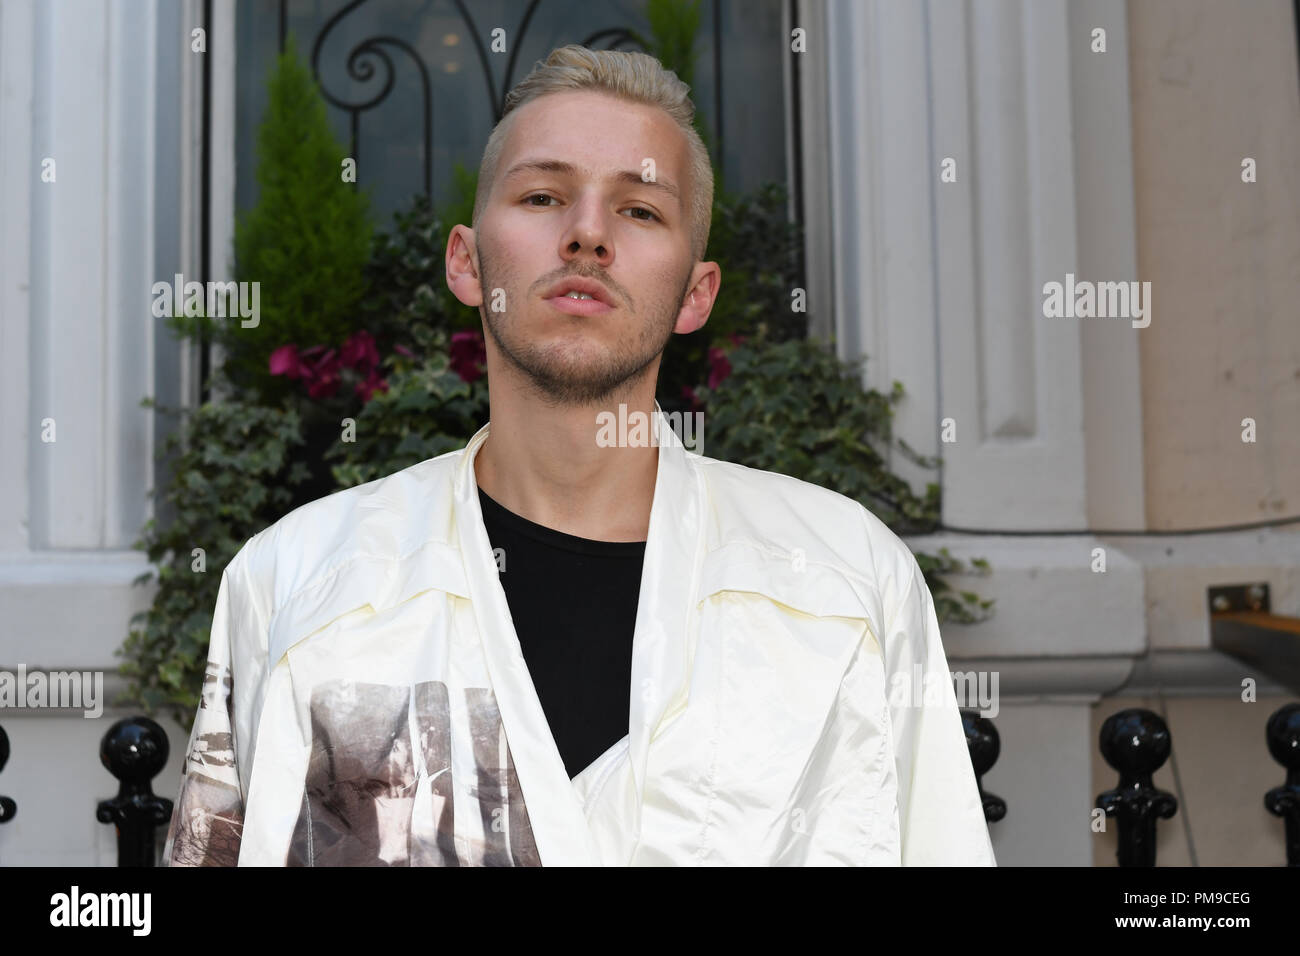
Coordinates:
528	200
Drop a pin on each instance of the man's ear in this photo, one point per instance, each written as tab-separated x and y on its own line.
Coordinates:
706	279
462	266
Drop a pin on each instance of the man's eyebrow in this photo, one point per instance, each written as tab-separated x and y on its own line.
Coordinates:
561	168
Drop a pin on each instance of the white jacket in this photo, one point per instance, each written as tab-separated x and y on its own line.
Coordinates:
367	703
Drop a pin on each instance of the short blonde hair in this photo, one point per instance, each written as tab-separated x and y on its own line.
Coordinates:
636	77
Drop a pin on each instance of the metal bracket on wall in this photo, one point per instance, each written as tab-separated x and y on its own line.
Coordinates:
1242	626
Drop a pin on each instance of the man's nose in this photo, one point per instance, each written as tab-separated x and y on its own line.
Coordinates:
588	232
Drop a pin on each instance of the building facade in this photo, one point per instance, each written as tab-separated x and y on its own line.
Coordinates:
950	158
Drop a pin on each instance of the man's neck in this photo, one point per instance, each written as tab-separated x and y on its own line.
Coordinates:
546	464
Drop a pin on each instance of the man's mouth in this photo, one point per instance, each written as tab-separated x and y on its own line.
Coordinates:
580	288
579	303
578	295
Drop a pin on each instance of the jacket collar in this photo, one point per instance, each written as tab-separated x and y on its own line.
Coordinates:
662	648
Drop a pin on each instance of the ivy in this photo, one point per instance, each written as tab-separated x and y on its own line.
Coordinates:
233	474
427	411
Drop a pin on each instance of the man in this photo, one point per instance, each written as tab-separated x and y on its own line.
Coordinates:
549	648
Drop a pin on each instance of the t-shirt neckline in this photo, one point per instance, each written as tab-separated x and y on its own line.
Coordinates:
494	510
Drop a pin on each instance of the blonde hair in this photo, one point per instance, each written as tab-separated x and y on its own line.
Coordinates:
636	77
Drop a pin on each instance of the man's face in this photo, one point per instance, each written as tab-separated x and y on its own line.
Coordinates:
569	201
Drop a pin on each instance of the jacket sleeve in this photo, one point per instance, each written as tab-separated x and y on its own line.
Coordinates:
208	821
941	817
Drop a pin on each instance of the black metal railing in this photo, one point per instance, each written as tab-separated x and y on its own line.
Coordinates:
1283	736
7	807
984	744
135	751
1136	743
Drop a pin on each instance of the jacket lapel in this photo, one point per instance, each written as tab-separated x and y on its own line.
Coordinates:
664	644
662	647
559	826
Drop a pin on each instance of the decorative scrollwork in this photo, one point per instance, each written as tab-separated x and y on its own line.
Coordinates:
370	60
360	67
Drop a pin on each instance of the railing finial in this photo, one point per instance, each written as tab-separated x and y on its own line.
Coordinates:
1136	743
134	751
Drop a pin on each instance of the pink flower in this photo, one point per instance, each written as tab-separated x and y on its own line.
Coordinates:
359	352
308	357
321	368
372	384
719	366
403	350
285	361
324	387
323	375
468	354
327	363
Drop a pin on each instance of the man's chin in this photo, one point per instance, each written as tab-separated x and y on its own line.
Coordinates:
582	383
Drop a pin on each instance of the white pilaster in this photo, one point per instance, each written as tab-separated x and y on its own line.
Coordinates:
940	285
1106	221
882	181
18	175
129	325
1011	379
87	316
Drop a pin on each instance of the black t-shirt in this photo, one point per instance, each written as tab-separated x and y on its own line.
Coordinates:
573	601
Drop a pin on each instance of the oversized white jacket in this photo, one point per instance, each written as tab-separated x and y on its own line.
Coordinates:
366	700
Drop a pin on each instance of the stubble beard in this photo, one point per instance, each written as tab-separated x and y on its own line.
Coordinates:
594	380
